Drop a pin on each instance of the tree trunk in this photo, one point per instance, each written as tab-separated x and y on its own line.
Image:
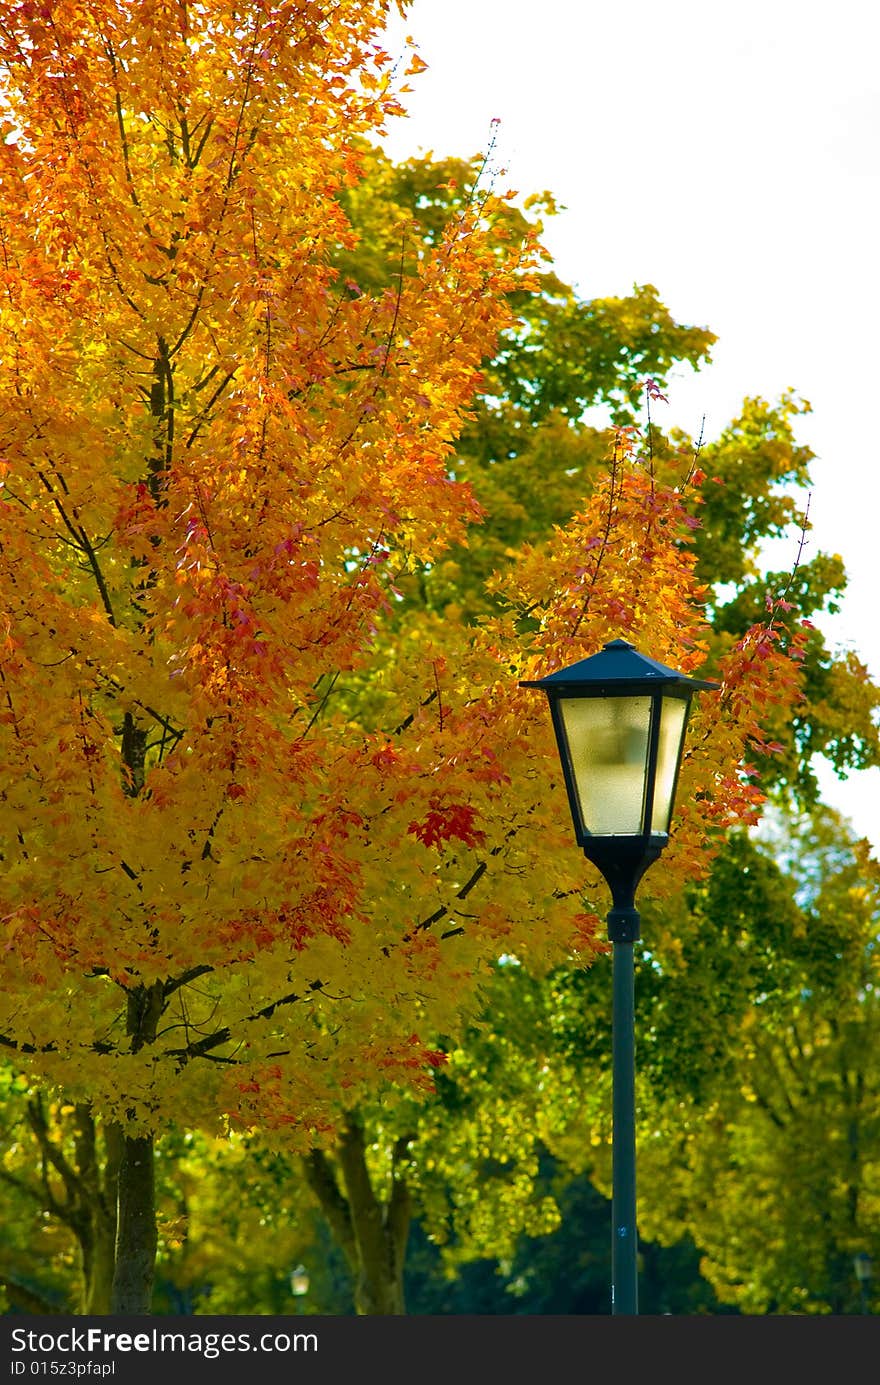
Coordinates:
136	1234
84	1195
371	1233
97	1233
99	1264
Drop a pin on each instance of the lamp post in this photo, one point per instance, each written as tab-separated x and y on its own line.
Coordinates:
864	1269
620	720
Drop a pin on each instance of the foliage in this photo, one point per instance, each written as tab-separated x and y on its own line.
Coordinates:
531	469
531	457
39	1251
777	1163
757	1081
565	1272
214	461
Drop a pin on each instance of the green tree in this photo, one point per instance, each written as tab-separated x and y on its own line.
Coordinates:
777	1154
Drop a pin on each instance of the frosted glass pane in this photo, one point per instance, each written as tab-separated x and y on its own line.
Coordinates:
672	716
608	743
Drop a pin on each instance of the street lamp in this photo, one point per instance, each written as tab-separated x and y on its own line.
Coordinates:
620	722
299	1283
864	1269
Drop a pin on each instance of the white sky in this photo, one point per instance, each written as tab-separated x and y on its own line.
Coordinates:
727	154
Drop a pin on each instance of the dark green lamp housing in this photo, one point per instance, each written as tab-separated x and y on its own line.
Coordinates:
620	722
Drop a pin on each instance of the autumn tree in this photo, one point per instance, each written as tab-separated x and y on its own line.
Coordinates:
213	463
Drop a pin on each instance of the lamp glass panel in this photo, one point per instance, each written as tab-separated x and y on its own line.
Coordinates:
673	712
608	745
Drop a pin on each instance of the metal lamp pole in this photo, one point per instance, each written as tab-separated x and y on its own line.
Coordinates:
864	1268
624	1243
620	720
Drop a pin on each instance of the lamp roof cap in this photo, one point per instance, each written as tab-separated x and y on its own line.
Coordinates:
618	665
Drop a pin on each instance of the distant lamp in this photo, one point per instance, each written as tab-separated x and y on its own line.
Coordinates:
620	721
299	1281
